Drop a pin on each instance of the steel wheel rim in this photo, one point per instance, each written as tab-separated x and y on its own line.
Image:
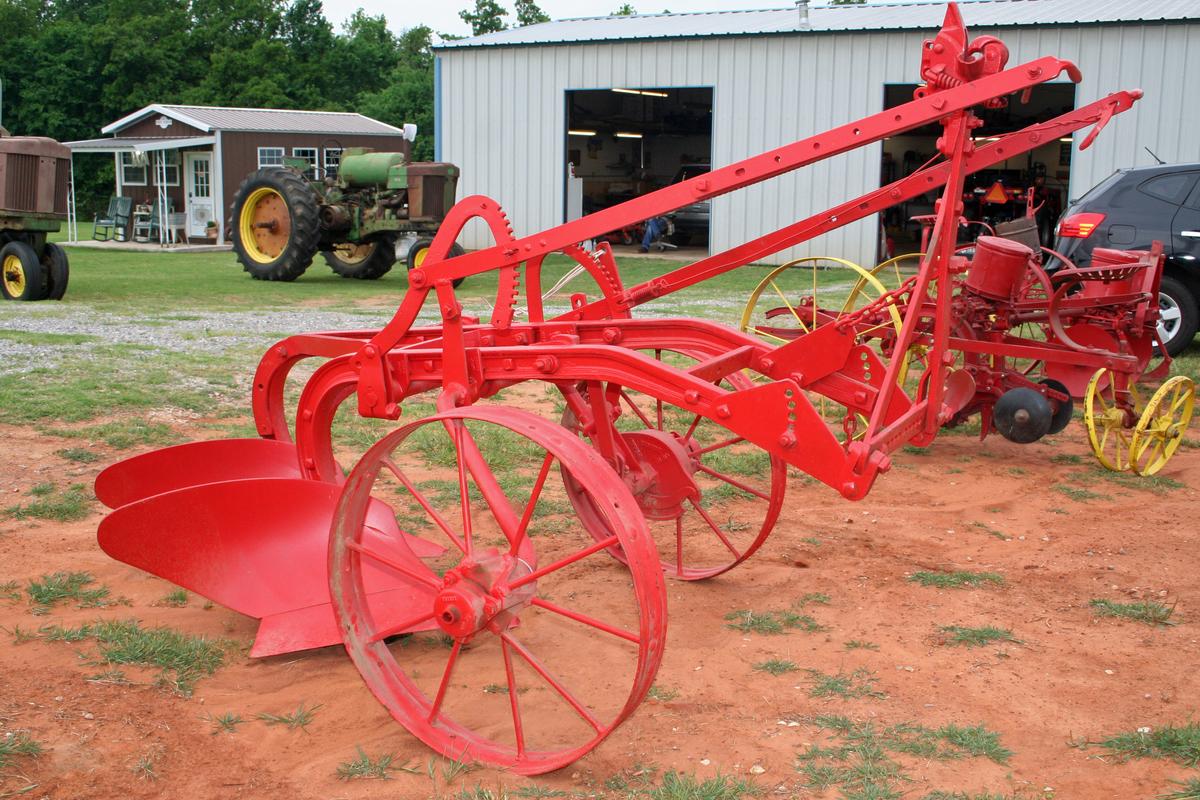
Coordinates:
265	225
1105	423
708	524
352	253
14	275
1161	427
507	652
1168	326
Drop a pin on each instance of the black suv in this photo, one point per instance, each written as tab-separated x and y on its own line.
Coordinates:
1132	208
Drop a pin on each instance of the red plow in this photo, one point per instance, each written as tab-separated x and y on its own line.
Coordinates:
488	626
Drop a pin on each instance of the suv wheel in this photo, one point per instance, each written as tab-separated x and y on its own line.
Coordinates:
1177	315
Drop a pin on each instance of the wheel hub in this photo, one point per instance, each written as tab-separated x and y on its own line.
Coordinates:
664	481
475	595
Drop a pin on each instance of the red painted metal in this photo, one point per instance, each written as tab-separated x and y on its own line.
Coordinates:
248	522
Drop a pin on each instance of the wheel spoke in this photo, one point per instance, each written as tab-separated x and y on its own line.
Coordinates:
534	495
401	627
564	562
679	544
760	332
391	563
692	428
634	407
782	297
445	683
586	620
424	504
715	528
719	445
733	482
463	490
511	680
554	682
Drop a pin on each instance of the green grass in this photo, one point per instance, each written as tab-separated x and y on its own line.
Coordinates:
859	683
662	694
79	455
858	644
1180	744
678	786
123	434
956	579
10	591
177	598
812	598
859	761
976	637
182	659
16	744
1188	790
366	767
968	796
225	723
300	718
58	586
52	503
776	666
990	531
770	622
1076	493
1149	612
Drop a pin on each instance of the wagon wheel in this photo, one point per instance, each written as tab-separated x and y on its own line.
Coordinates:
710	498
1162	425
1108	431
542	644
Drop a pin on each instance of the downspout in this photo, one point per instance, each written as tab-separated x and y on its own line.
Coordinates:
437	108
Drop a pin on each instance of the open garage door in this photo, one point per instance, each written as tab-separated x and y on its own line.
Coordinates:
994	195
626	142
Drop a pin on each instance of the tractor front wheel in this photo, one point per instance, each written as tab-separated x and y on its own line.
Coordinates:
276	226
420	249
22	276
366	261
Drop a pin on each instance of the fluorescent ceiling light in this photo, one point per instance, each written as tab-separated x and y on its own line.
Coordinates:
580	133
646	92
1066	139
628	135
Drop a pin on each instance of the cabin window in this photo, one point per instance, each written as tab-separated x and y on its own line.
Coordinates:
270	157
309	154
333	158
133	169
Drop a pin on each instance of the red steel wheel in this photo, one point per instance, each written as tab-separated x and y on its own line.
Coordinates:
710	498
543	644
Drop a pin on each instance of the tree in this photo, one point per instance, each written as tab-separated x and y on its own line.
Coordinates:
626	10
488	17
528	13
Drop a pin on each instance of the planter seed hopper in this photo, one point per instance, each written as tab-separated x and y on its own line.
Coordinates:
497	576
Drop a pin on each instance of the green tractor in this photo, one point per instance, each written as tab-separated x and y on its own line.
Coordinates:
34	180
358	220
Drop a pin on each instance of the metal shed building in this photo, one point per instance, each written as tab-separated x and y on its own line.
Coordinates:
776	76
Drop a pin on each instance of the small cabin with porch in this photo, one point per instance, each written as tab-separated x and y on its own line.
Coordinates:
186	162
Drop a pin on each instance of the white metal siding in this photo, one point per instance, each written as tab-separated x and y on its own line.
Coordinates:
504	113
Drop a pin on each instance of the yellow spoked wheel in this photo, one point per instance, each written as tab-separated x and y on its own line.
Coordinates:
1108	434
807	301
14	276
1162	425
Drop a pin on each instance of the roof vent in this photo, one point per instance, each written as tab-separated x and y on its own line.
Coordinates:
802	7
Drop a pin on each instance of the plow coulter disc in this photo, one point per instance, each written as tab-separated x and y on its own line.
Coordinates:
710	498
260	548
542	643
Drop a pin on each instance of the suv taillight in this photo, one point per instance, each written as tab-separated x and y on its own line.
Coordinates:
1079	226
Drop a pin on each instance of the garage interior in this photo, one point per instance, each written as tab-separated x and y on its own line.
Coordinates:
994	195
626	142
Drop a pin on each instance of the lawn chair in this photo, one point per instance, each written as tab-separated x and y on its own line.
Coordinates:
113	223
147	222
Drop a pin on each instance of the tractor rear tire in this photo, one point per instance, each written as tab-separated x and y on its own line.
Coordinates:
366	261
275	224
416	255
58	270
22	276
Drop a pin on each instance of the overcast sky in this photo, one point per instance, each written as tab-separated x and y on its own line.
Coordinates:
442	15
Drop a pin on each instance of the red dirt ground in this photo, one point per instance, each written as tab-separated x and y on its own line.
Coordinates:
1072	678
